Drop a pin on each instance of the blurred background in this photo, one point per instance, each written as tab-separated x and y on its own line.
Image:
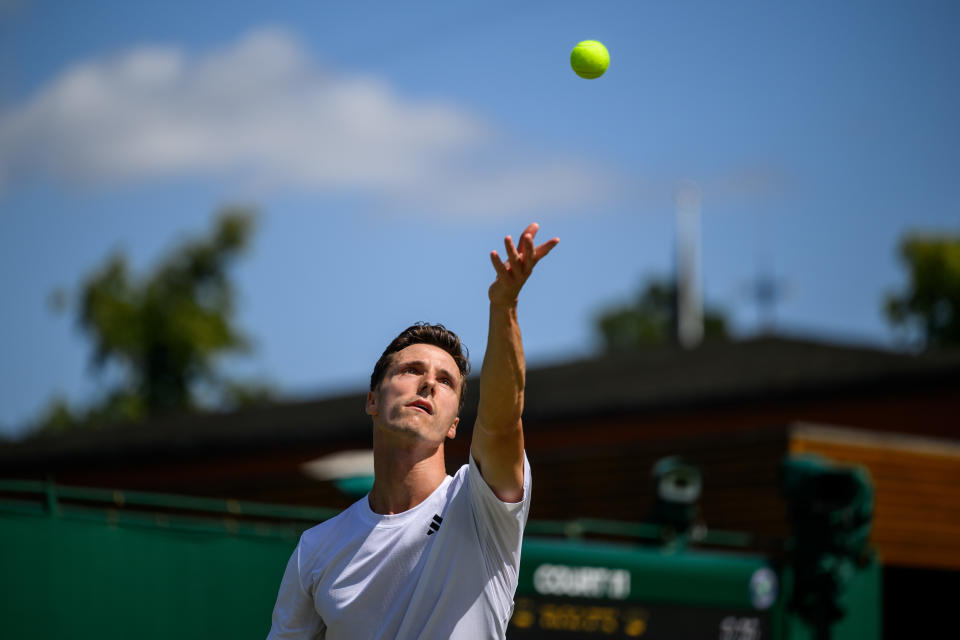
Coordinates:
214	216
387	149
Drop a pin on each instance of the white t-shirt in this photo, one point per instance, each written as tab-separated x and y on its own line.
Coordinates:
446	568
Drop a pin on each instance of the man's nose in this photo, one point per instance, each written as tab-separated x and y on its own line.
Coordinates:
427	384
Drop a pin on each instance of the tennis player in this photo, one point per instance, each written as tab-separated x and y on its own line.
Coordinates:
427	555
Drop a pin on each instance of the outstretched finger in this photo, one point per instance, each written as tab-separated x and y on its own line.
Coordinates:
498	264
545	248
527	250
512	254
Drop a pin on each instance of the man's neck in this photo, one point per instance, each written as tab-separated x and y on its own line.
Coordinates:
404	476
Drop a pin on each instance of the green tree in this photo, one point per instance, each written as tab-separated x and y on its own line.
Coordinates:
651	318
929	309
164	331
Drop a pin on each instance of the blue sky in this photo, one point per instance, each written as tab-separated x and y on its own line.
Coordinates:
389	146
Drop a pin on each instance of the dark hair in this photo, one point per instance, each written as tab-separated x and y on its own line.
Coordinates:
423	333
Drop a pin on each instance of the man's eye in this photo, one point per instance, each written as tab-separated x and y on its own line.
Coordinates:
446	381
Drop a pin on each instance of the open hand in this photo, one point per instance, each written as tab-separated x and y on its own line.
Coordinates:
512	273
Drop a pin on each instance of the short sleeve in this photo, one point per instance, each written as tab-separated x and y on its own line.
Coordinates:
294	615
499	524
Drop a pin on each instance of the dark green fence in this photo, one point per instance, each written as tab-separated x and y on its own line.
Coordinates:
85	563
78	563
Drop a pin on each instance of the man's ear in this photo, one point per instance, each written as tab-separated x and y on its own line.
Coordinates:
452	431
371	407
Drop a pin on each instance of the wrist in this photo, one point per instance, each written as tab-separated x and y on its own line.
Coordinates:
505	305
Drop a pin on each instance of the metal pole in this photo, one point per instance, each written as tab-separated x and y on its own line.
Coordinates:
689	298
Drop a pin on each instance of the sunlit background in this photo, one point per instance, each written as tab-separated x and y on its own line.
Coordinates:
388	147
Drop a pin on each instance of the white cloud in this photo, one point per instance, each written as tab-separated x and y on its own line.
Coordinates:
261	113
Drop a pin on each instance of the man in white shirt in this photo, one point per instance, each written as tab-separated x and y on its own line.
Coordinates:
426	555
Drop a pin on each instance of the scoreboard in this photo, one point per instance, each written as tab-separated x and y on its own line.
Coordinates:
545	618
573	589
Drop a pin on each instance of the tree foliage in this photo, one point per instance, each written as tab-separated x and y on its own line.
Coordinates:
163	331
929	309
651	318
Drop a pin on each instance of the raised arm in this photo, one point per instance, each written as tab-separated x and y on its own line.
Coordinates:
497	444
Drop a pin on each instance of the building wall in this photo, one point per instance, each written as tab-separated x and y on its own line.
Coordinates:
917	484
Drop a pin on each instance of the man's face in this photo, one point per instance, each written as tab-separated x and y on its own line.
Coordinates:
419	395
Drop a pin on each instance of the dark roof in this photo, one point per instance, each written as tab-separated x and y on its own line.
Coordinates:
652	378
730	372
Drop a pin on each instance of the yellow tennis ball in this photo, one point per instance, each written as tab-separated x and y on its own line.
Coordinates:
589	59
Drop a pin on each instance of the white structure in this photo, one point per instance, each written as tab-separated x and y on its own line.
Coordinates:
689	298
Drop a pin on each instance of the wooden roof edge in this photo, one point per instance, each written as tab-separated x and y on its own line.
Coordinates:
867	439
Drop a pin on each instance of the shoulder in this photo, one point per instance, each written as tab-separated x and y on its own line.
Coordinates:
479	484
317	539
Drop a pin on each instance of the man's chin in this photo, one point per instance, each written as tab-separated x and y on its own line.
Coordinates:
408	429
